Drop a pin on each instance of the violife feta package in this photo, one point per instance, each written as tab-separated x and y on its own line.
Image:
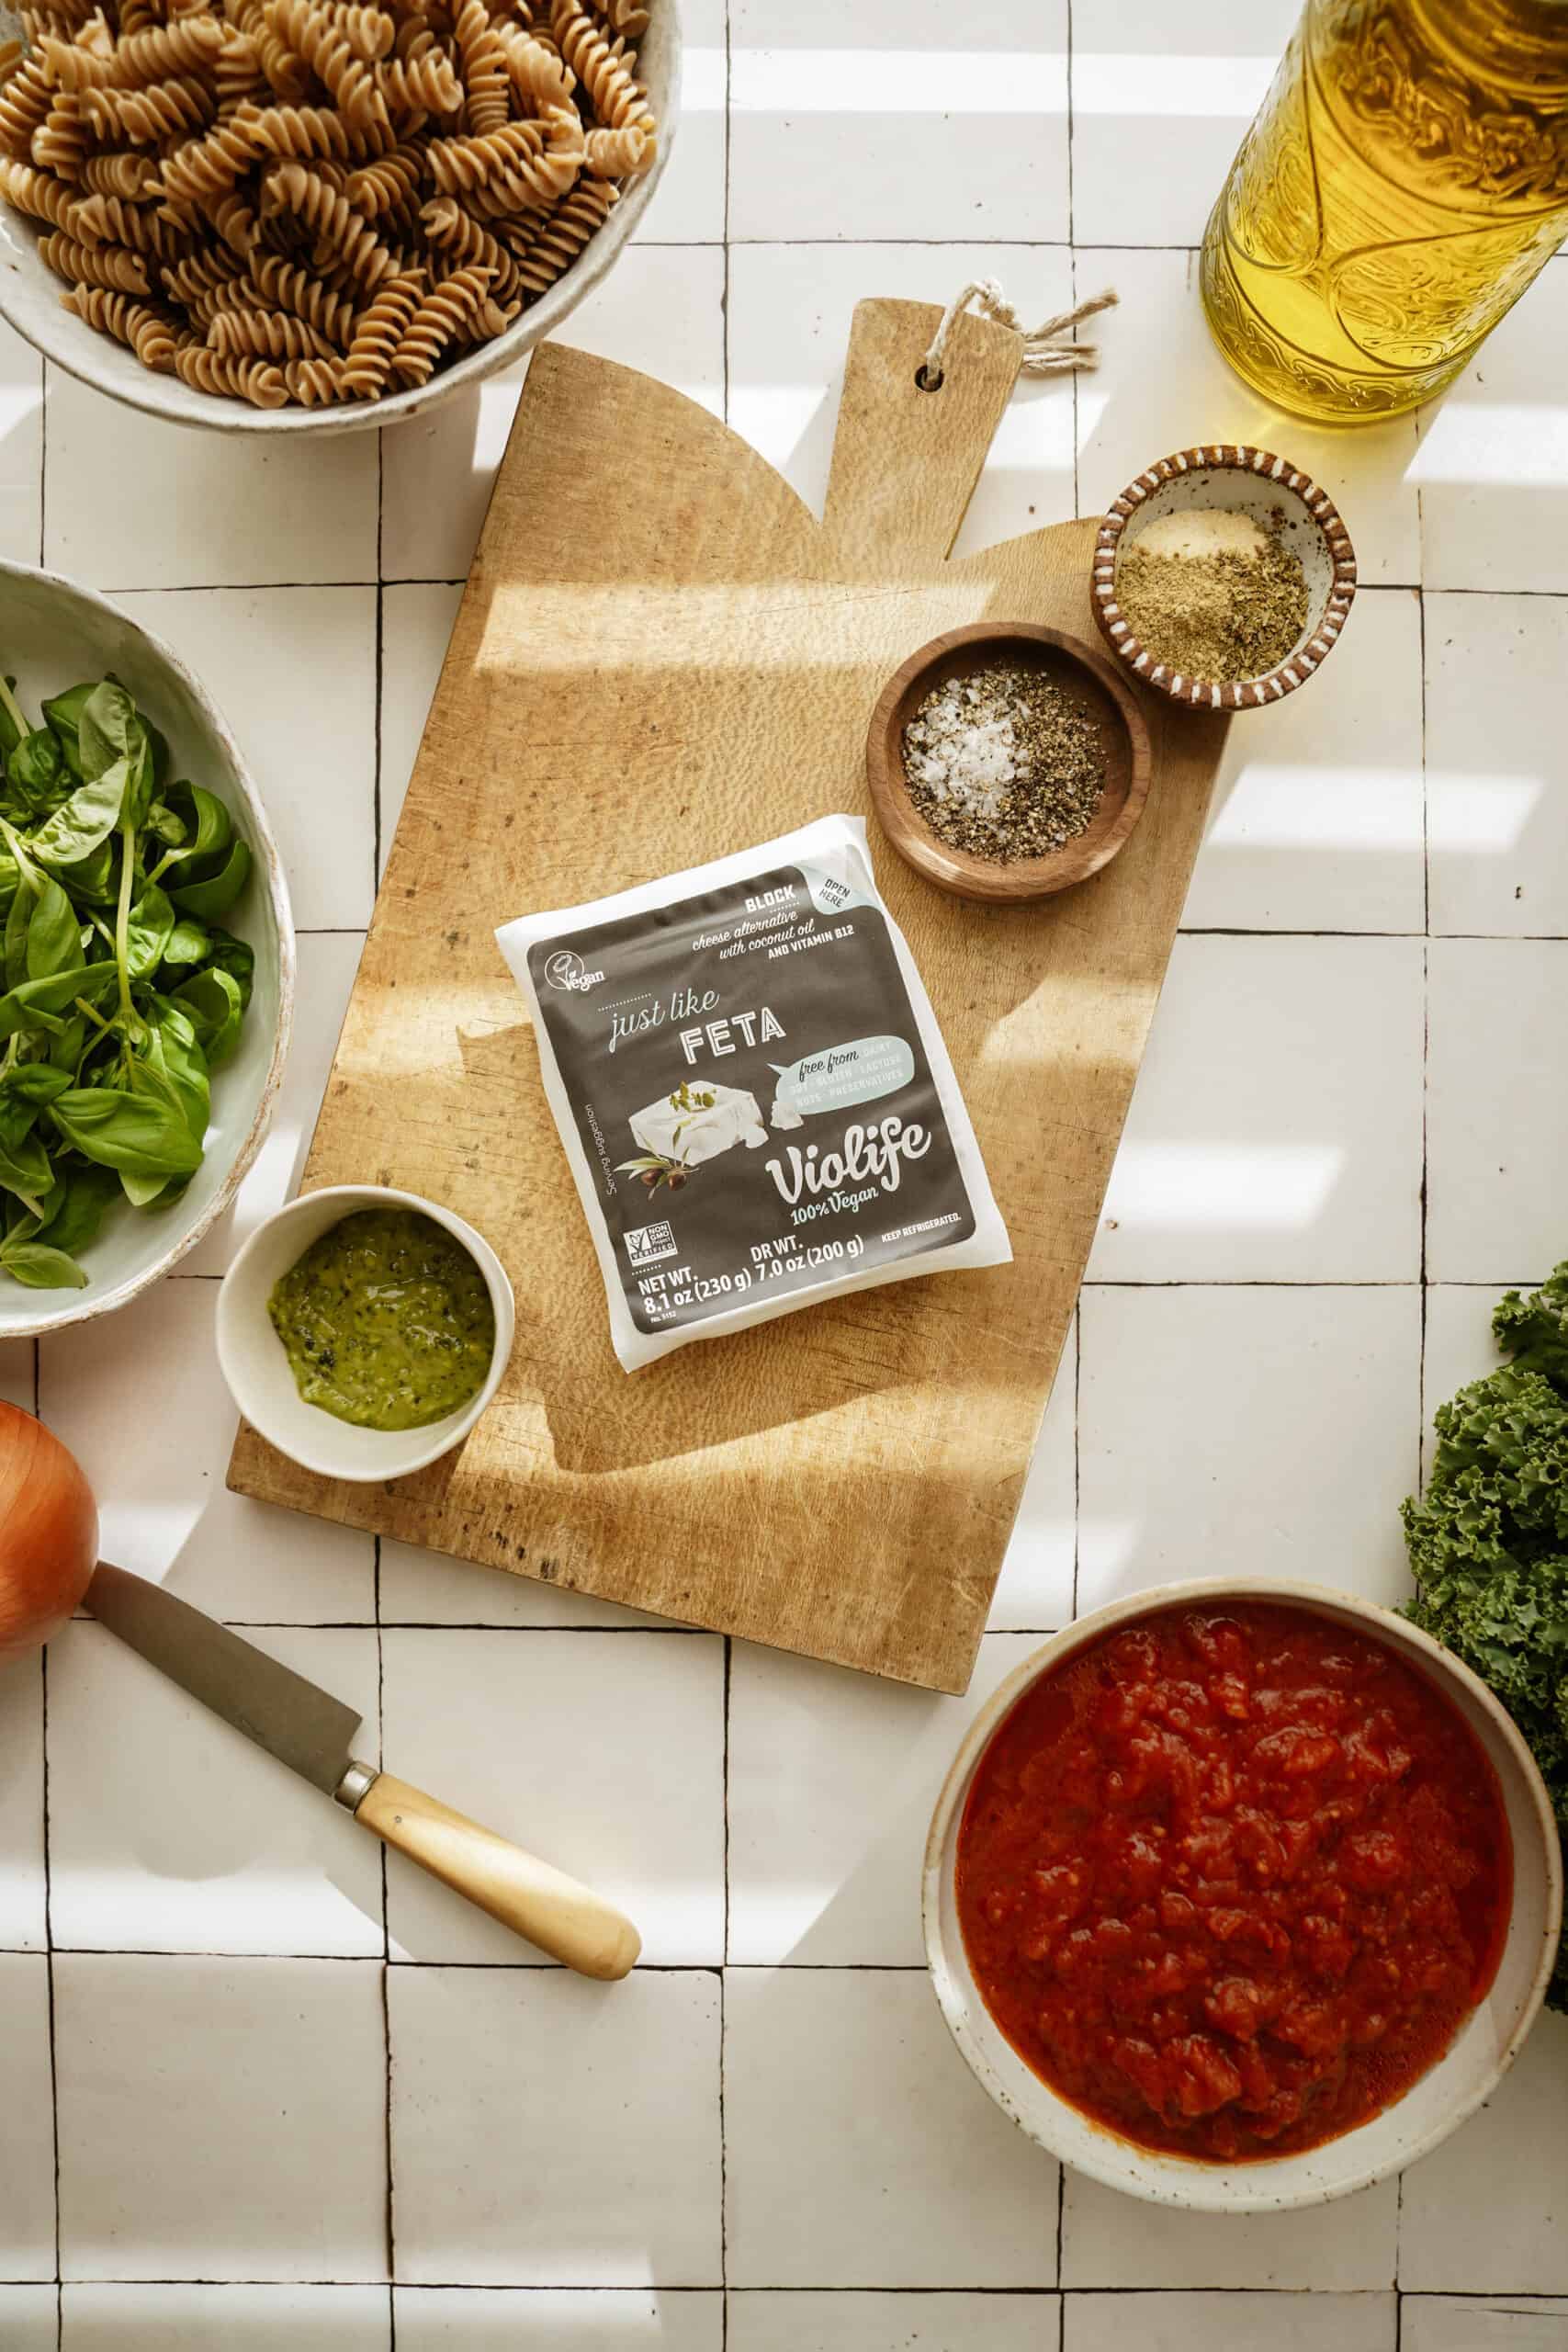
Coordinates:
752	1091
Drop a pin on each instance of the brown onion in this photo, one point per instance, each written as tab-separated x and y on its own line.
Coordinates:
49	1532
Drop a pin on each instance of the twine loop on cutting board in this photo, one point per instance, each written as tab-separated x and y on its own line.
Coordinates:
1046	350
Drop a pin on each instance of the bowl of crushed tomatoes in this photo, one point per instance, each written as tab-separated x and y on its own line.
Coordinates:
1241	1896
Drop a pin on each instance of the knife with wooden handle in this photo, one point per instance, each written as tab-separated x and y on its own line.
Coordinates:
314	1733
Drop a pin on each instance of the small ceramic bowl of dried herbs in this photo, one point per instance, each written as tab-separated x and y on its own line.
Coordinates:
1223	577
1007	760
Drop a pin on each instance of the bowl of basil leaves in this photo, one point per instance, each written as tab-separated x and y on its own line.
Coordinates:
148	958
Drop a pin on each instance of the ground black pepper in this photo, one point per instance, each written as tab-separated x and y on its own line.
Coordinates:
1004	765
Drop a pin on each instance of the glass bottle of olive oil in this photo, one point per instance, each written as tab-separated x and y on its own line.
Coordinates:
1406	178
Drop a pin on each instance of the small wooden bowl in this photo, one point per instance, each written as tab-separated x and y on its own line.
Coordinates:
1087	680
1249	482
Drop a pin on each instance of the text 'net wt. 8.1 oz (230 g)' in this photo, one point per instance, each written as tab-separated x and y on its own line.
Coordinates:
752	1091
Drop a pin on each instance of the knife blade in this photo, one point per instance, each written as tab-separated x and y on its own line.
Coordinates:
312	1733
304	1728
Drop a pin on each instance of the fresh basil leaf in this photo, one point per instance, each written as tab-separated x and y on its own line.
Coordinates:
11	733
163	758
18	919
54	934
32	1004
237	957
212	999
143	1134
67	1043
207	828
175	1051
24	1160
33	1081
36	778
64	715
164	825
40	1266
187	943
216	895
84	822
75	1209
107	729
147	937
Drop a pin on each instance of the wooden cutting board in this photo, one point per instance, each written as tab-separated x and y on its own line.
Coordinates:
662	657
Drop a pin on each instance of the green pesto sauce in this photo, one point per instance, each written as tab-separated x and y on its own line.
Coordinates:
385	1320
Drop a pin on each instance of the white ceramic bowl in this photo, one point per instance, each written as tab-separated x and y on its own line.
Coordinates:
1432	2107
52	635
30	299
256	1369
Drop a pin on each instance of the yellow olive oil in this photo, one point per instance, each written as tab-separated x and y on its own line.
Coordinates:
1406	178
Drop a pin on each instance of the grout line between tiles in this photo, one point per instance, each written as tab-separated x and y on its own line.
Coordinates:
48	1964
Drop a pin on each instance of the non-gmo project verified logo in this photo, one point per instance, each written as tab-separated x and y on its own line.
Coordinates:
646	1244
565	969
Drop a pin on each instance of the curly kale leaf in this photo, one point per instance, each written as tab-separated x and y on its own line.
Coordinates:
1534	1330
1488	1540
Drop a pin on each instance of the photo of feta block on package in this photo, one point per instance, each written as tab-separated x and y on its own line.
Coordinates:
698	1120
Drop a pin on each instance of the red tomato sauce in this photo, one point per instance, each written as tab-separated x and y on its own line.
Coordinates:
1231	1879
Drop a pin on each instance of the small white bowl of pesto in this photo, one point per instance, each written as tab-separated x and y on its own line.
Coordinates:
363	1331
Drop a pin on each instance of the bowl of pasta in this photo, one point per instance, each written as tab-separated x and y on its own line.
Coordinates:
312	216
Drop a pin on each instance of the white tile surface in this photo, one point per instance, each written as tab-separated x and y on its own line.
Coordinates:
1162	386
660	310
162	1509
1496	1135
861	2150
790	313
832	1777
1327	2249
220	2119
416	622
1253	1427
1488	2208
240	2318
870	121
558	2319
169	1831
602	1753
312	750
21	1805
689	206
1034	1591
1496	764
134	503
861	2323
1483	2323
1317	817
556	2146
29	2319
27	2131
1275	1133
1300	2323
1493	465
1161	97
21	449
560	2132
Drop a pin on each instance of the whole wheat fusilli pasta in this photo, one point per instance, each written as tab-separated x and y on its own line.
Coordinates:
316	200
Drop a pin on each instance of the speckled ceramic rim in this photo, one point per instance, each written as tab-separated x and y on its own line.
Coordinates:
97	361
1169	2180
1206	694
241	785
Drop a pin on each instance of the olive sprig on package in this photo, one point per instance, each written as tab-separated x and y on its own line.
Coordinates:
122	992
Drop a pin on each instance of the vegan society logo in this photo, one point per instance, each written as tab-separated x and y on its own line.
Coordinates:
565	969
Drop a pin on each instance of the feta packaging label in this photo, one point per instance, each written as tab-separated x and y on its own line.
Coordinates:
755	1105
